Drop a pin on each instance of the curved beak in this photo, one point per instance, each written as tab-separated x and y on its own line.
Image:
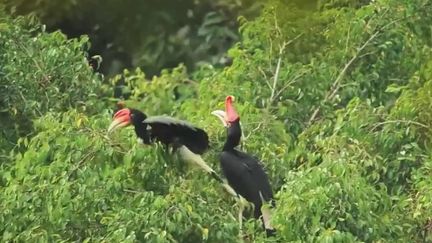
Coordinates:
121	119
222	116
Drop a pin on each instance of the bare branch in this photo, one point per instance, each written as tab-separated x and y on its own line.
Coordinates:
132	191
366	54
276	76
336	84
253	130
278	65
347	39
265	77
400	121
292	81
89	156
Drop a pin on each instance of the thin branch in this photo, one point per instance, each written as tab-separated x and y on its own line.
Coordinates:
89	156
105	137
253	131
132	191
276	76
292	81
270	55
366	54
38	66
278	65
400	121
347	39
336	84
265	77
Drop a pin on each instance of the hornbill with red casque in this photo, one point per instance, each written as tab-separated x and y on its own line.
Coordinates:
244	172
188	139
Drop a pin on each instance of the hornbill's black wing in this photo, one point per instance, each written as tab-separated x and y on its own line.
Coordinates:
169	130
260	176
247	176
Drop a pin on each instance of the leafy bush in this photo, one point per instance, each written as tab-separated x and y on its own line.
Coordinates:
40	72
74	183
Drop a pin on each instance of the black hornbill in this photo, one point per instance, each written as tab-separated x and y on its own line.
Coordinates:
188	139
244	172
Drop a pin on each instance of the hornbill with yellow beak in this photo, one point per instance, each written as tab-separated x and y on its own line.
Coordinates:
244	172
188	139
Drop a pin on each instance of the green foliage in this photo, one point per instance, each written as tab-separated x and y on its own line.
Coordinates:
74	183
326	58
334	100
332	202
150	34
40	72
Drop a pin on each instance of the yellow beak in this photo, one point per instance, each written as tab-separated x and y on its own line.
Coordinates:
222	116
117	123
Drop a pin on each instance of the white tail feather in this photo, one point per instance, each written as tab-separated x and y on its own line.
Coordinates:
230	190
266	214
195	159
192	158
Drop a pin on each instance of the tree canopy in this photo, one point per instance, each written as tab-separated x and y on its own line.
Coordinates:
334	97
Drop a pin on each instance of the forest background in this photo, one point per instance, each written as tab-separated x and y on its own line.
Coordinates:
335	98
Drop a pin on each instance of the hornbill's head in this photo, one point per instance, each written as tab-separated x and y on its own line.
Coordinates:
229	116
125	117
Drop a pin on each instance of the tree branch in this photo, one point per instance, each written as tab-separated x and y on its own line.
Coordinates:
336	84
292	81
90	155
400	121
46	78
278	66
132	191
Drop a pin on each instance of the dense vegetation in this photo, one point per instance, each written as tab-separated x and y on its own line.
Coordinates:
335	99
152	34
